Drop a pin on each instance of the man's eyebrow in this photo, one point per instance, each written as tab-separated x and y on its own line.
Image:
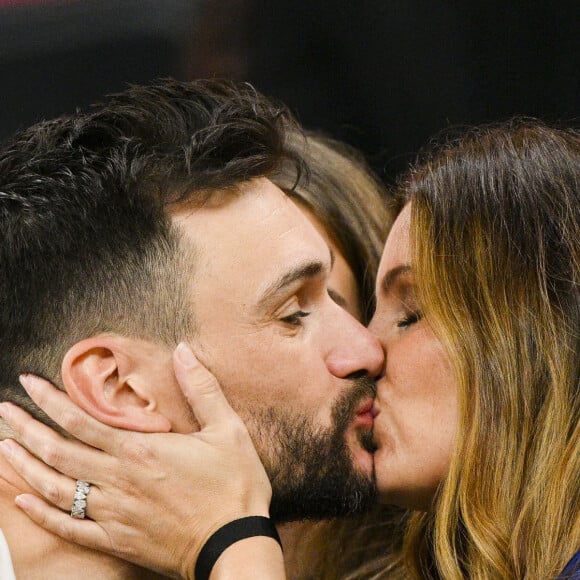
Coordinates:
393	275
304	271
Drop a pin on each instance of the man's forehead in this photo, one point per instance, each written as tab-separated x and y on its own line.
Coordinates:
257	236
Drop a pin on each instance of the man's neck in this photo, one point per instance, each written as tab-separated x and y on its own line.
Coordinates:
38	554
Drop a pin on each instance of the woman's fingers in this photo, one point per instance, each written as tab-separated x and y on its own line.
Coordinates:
220	425
56	488
118	540
83	532
65	413
70	457
201	388
155	496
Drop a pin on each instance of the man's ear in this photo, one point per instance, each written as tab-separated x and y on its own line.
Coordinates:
107	377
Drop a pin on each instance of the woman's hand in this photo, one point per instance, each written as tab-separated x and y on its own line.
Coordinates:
155	498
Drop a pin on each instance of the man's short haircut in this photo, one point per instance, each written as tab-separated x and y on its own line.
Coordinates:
87	243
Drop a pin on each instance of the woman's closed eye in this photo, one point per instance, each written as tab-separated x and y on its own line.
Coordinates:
409	319
294	319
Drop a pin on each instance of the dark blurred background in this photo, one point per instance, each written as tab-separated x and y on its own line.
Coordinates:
382	75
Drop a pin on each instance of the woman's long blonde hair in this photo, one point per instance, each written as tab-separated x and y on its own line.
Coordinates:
495	233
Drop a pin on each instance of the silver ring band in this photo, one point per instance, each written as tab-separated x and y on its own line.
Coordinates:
79	506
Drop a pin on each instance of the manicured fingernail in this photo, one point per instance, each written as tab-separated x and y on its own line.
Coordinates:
23	502
6	449
29	382
5	411
185	355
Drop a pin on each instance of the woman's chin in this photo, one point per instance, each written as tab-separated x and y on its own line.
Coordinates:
403	489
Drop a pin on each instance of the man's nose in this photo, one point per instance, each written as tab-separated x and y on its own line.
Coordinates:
357	351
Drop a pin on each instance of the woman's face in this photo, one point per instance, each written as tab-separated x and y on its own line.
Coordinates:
416	397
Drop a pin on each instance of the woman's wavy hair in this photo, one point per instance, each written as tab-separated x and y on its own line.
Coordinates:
495	237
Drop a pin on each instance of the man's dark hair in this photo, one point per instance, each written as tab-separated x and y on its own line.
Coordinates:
87	243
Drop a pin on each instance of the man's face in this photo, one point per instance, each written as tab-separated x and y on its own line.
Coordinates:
287	356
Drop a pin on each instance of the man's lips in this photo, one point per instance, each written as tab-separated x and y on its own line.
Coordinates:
365	414
366	406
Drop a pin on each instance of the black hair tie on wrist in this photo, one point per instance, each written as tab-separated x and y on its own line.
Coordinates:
229	534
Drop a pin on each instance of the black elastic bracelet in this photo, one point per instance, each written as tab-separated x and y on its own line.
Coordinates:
230	534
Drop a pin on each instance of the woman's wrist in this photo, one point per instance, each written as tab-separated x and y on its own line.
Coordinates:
246	547
255	558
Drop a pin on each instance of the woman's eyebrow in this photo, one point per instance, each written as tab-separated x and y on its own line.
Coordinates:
391	277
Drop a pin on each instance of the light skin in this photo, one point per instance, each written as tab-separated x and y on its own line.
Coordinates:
259	293
343	289
416	401
416	411
138	456
262	296
34	551
342	285
416	394
283	308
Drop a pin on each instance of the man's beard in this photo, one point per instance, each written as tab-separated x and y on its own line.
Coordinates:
311	469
